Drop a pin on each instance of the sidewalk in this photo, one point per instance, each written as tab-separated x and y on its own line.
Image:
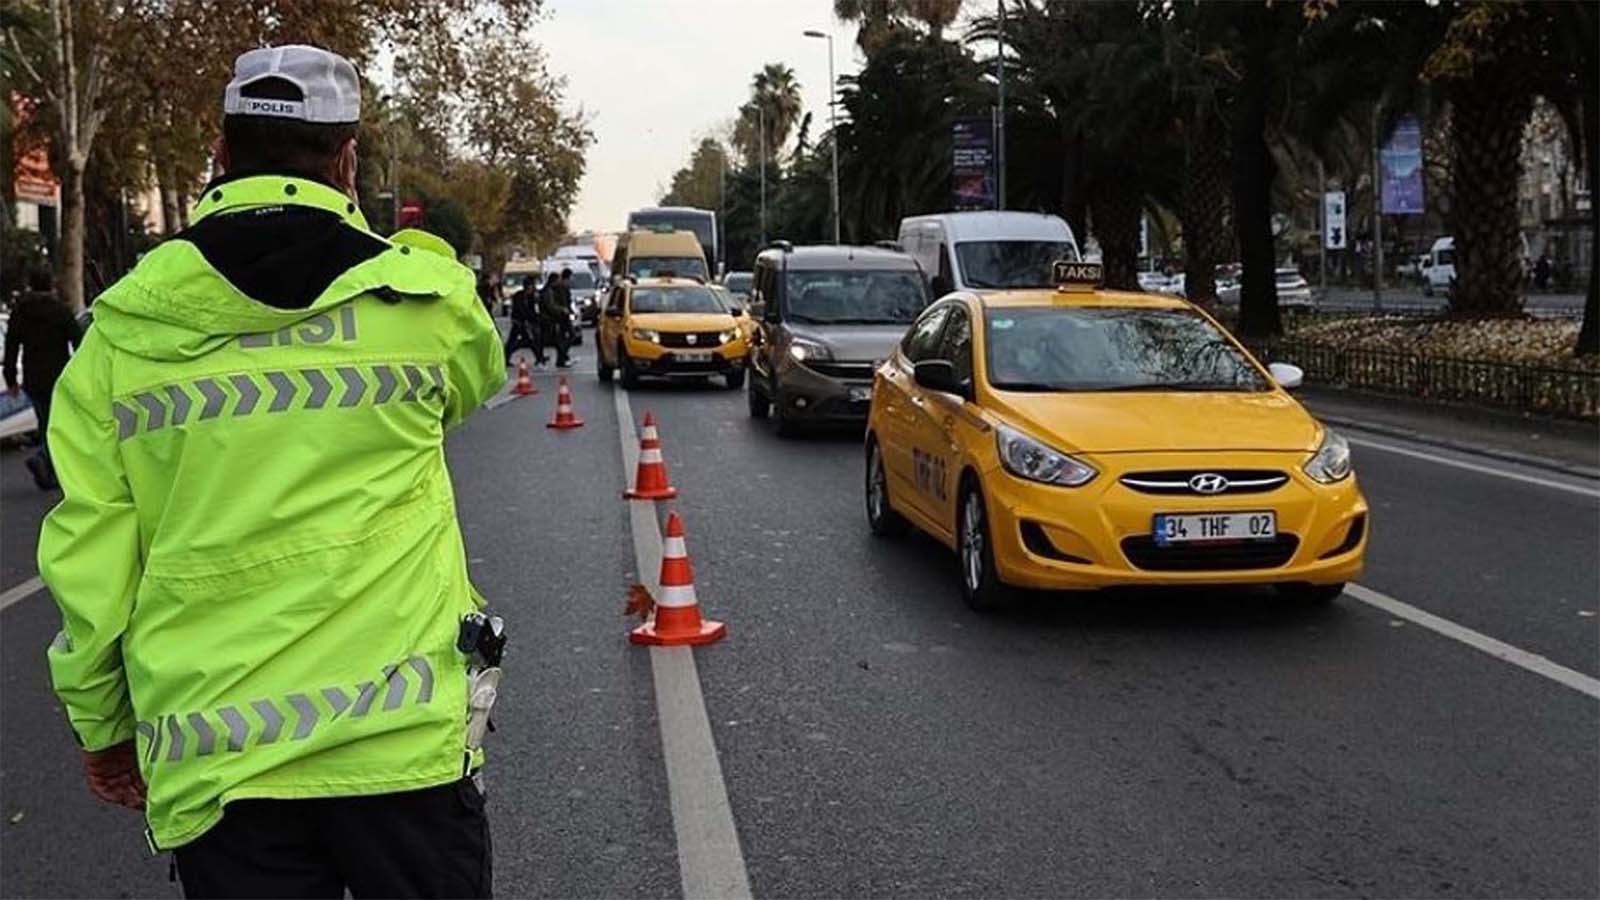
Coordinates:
1559	445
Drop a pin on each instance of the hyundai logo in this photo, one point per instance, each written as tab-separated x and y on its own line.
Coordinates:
1208	483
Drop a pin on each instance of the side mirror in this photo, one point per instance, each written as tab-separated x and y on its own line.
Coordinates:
940	375
1288	377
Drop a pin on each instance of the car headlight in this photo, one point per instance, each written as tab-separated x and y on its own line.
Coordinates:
804	351
646	335
727	337
1331	462
1025	457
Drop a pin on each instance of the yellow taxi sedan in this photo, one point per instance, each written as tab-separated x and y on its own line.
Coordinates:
670	328
1077	438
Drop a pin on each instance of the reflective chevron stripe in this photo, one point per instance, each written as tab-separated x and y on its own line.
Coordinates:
194	734
334	387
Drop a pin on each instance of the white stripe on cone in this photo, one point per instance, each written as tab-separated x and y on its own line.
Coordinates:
677	595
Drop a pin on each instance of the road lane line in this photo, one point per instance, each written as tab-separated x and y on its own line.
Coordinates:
1499	472
1533	662
710	861
21	592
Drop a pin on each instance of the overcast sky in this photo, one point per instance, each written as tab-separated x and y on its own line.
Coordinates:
655	75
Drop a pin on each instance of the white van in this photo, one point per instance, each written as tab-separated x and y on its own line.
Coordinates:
987	250
1440	272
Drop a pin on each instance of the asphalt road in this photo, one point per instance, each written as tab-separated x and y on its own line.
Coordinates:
876	738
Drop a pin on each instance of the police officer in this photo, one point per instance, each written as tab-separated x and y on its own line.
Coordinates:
257	559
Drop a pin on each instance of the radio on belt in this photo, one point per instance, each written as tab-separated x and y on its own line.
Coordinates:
482	637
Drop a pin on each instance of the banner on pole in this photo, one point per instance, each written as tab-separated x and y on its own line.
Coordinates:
1401	159
972	176
1333	235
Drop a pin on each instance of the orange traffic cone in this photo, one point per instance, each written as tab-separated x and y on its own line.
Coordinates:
564	418
524	385
650	479
677	620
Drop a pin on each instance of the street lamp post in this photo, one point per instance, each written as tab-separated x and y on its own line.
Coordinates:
833	126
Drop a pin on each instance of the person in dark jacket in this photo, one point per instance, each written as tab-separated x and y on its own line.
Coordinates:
557	308
44	332
525	323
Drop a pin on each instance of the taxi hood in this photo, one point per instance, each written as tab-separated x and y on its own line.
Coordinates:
1136	422
681	322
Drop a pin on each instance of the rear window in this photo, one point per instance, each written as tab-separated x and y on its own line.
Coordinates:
687	299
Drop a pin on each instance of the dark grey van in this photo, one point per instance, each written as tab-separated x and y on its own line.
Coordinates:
826	317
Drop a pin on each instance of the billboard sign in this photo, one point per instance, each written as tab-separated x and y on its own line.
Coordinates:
1333	233
1401	160
972	175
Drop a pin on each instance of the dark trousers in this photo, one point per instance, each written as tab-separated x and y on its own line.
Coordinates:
428	843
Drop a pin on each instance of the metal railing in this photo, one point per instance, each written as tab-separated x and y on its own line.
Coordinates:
1568	393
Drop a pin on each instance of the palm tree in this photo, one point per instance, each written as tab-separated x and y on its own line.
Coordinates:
774	100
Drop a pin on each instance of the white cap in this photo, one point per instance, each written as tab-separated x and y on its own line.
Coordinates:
330	91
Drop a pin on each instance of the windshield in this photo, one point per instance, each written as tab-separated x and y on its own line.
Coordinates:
660	266
1011	264
854	298
1052	349
687	299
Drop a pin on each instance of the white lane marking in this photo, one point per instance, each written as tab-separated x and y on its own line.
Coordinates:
1533	662
22	591
1498	471
710	861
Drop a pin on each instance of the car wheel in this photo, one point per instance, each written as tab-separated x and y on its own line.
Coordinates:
981	586
735	379
1310	594
759	404
881	517
630	375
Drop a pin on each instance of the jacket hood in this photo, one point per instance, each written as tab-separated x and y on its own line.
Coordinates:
255	260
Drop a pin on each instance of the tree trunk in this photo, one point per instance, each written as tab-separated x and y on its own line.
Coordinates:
1074	200
1205	192
1488	114
72	237
1115	206
1253	173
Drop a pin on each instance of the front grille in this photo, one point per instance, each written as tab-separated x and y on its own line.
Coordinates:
1176	481
707	340
849	371
1144	553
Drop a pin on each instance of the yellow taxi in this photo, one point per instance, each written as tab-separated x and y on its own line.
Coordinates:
672	328
1070	437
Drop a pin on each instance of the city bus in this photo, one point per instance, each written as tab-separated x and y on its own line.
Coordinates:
701	222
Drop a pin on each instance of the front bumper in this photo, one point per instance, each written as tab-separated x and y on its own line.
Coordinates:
1098	536
669	362
813	396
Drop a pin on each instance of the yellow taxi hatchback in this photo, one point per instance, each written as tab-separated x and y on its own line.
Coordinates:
670	328
1074	438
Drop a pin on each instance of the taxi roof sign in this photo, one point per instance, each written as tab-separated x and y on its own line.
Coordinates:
1071	275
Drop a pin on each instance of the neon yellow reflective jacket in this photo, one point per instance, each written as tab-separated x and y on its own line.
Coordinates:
257	558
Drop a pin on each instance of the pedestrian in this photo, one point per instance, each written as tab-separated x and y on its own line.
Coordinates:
558	315
544	326
524	323
257	558
43	331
